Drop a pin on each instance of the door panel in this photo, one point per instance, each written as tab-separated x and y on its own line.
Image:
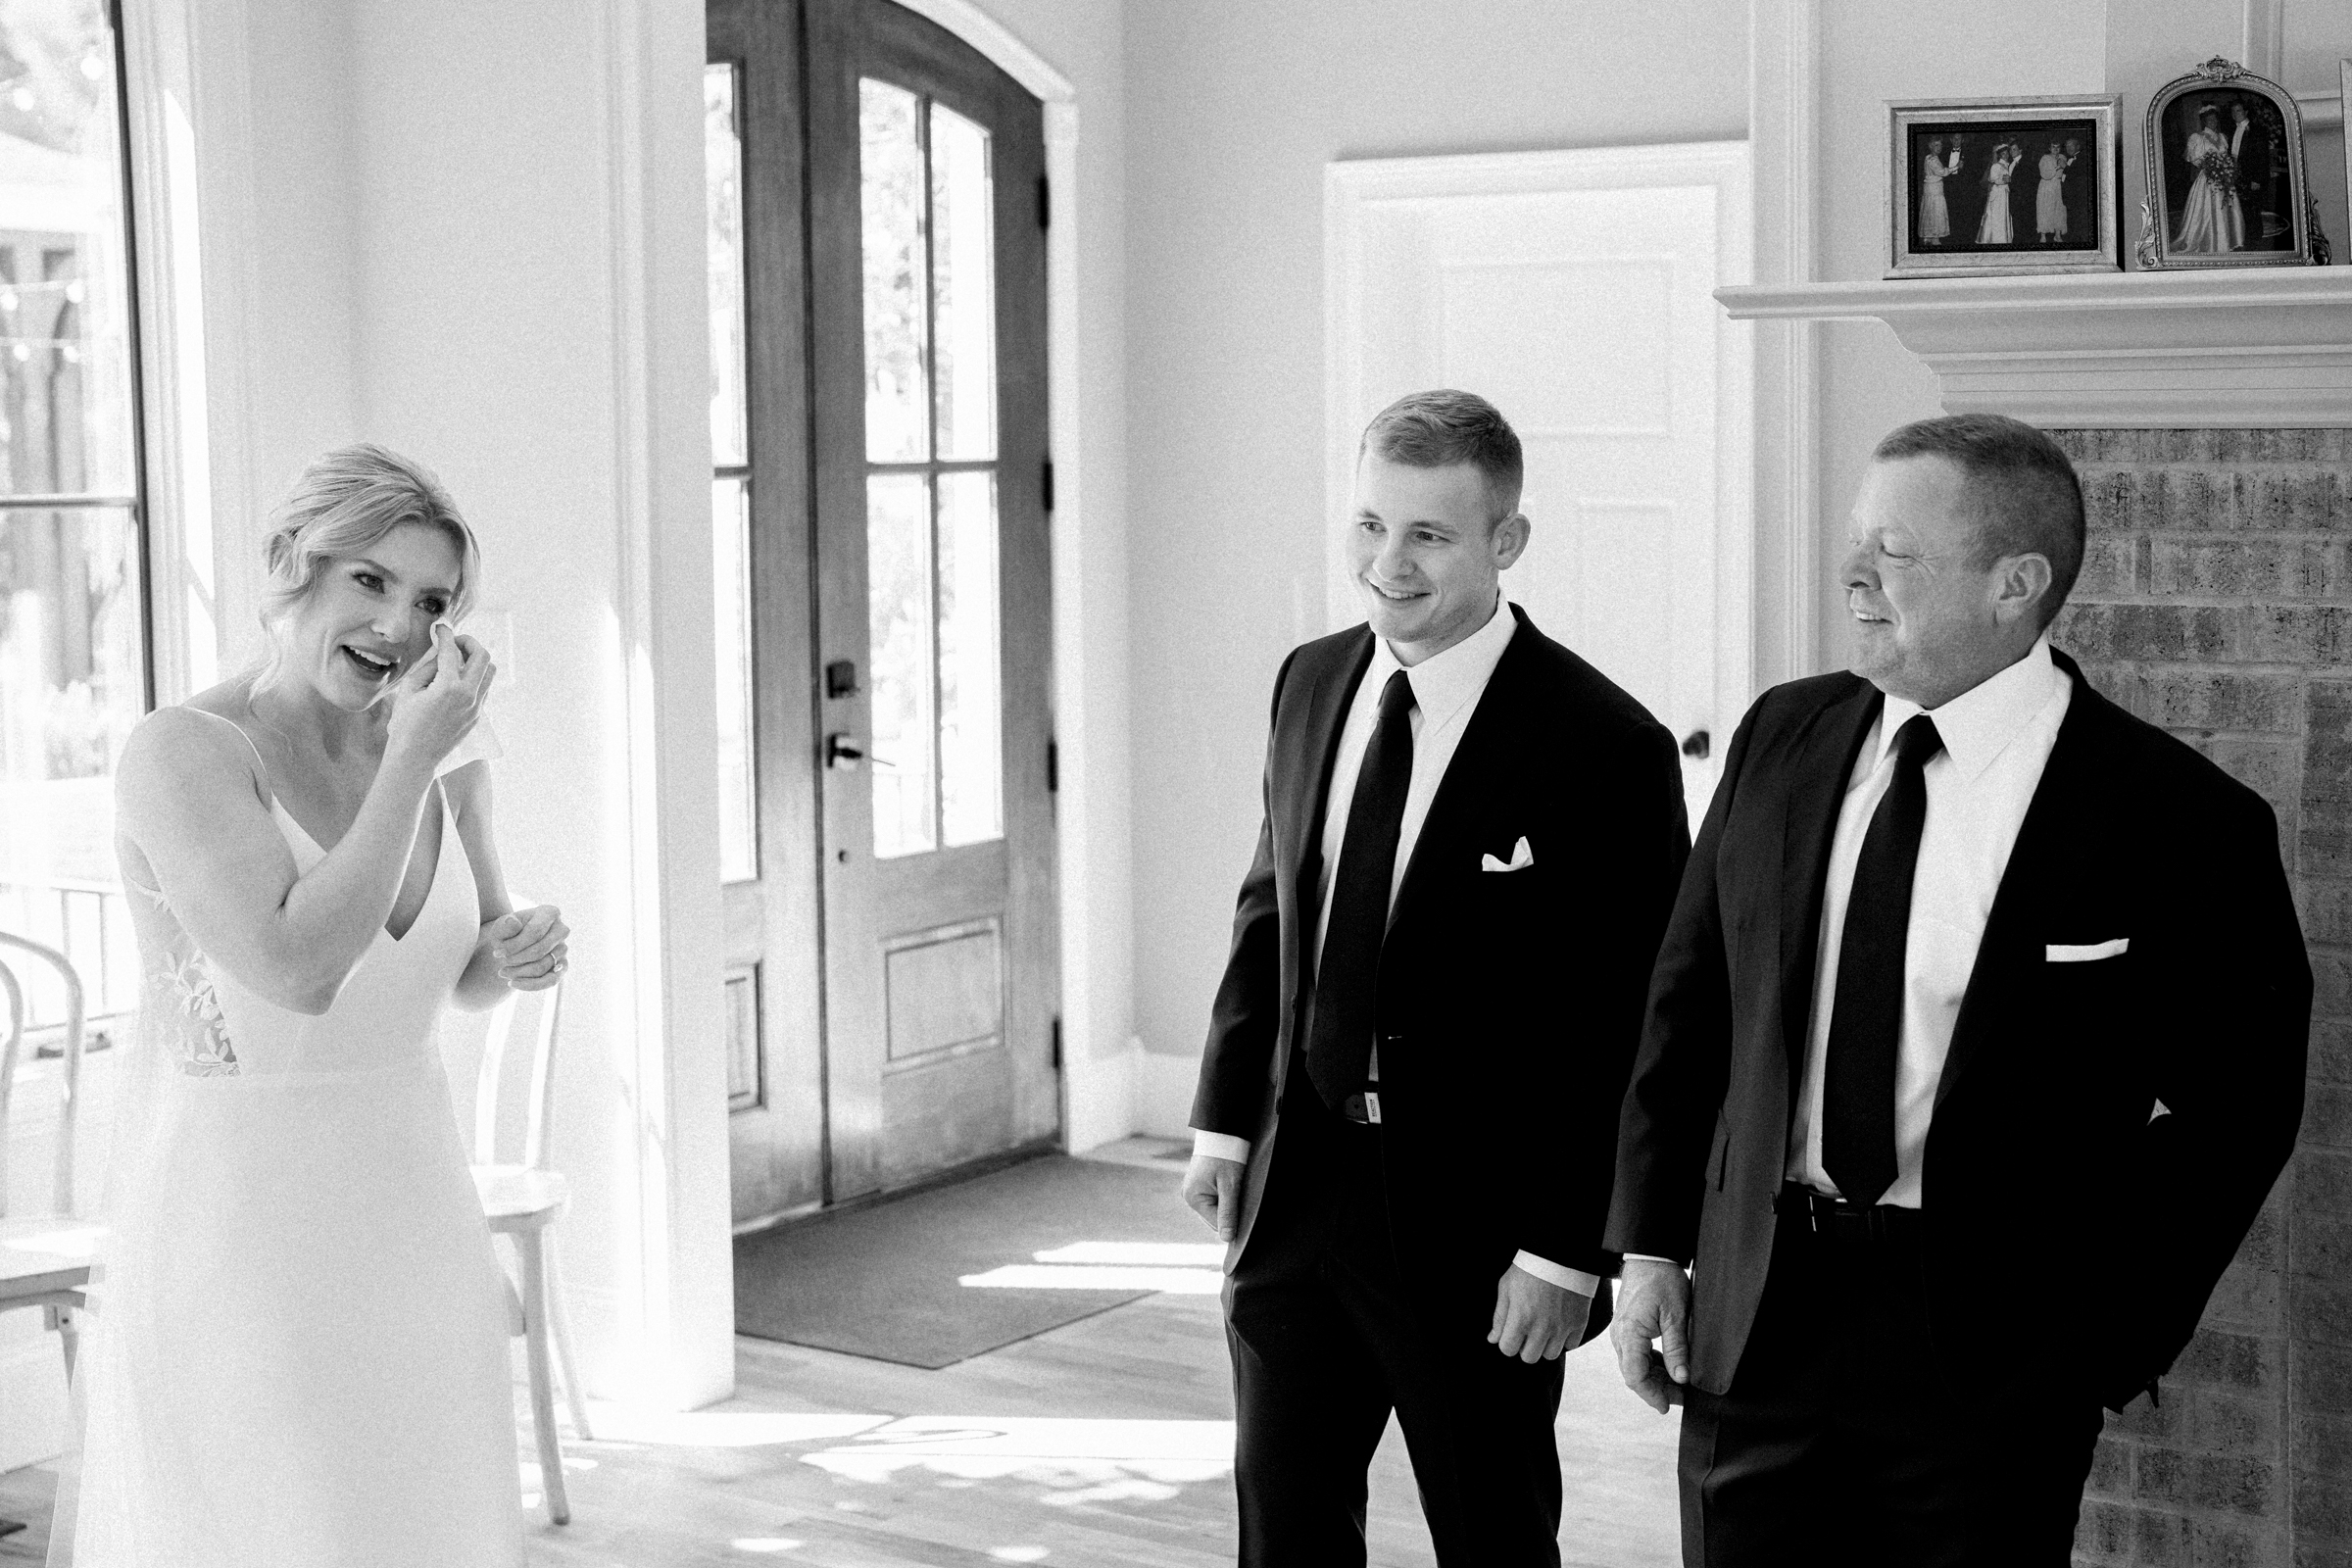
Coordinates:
1582	305
928	317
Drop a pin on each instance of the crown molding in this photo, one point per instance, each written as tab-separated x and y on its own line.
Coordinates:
2267	347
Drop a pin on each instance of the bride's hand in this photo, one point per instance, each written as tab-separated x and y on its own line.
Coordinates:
438	698
531	947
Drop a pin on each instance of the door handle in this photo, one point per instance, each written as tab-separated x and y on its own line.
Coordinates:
1698	744
843	751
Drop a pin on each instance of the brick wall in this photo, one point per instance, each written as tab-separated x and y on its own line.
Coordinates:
2215	599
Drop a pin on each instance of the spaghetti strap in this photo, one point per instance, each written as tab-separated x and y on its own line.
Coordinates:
241	735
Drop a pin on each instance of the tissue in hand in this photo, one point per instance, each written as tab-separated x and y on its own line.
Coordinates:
480	743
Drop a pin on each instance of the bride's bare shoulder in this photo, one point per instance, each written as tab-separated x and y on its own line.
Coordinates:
188	748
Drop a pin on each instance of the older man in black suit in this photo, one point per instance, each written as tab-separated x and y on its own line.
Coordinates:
1974	1046
1406	1114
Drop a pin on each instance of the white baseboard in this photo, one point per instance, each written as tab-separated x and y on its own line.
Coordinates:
1099	1099
1164	1093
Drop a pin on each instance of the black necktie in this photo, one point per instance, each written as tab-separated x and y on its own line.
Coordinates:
1866	1021
1339	1041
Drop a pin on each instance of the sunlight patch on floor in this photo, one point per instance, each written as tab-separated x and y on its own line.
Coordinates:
625	1424
1097	1276
1159	1255
1065	1453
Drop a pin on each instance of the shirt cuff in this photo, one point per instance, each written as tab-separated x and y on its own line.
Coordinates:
1224	1145
1650	1258
1550	1273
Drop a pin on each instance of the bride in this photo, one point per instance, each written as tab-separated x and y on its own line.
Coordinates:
298	1337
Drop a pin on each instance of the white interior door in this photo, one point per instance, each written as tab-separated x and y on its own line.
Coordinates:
1576	292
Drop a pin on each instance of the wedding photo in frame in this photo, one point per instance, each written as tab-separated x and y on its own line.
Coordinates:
2225	180
1983	186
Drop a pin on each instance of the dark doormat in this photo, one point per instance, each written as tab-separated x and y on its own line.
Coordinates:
882	1281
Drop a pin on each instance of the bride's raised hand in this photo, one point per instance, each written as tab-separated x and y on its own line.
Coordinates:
439	698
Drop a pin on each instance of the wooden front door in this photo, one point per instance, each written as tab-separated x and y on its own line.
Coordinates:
899	611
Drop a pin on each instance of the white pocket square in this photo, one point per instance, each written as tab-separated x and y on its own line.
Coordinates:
2067	952
1521	858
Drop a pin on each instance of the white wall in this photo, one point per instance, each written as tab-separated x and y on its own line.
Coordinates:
1233	111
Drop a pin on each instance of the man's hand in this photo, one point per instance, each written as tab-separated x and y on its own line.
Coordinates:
1212	1190
1536	1320
1654	1303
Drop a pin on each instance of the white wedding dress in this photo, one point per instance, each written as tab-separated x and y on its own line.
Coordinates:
297	1349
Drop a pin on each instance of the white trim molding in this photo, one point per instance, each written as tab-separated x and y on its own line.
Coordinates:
1784	136
2252	348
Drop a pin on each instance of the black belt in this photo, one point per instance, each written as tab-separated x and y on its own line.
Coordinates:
1839	1220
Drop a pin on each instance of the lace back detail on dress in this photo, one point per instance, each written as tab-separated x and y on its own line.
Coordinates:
183	1005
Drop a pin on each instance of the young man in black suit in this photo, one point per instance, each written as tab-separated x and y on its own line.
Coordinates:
1407	1106
1973	1048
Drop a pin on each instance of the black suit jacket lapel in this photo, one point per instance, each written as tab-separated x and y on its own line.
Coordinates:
2039	879
1316	749
1824	762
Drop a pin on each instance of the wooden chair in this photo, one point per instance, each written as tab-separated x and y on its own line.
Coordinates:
44	1261
523	1202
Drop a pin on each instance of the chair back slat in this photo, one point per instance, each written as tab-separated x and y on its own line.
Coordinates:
540	1108
486	1076
69	1080
543	1078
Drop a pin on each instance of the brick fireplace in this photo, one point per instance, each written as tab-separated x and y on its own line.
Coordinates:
2215	599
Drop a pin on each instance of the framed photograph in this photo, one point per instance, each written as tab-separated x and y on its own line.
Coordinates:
1985	185
2226	184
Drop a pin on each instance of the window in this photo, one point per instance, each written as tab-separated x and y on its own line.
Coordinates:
74	653
927	198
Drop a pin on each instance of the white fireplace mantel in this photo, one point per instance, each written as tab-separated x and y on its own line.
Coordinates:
2246	346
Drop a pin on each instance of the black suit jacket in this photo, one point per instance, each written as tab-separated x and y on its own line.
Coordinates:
1510	1002
2046	1180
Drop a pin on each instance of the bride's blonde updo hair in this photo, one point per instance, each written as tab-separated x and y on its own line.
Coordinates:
346	501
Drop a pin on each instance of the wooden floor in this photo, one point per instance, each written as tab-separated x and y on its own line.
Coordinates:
1104	1443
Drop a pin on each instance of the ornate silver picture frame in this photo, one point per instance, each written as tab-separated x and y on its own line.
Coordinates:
2226	179
1983	186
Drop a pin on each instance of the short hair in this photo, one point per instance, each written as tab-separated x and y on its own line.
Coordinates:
2026	495
1439	428
346	501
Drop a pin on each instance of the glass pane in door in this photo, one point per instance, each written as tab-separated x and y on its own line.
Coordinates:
723	180
897	399
963	286
898	585
971	748
737	766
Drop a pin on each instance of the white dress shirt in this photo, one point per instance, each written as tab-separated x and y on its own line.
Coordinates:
1446	687
1997	737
